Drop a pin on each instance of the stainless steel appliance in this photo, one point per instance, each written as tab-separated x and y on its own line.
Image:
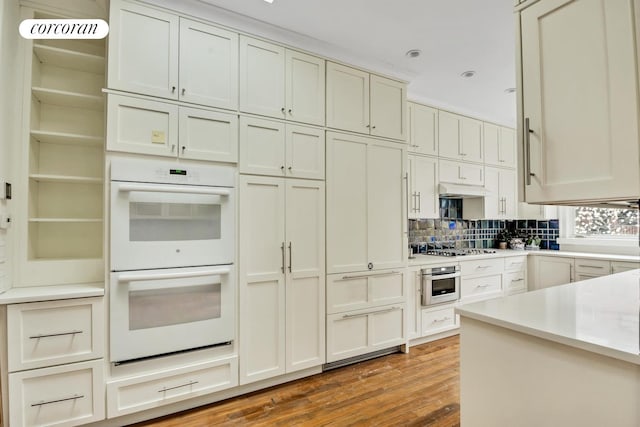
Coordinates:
440	284
172	257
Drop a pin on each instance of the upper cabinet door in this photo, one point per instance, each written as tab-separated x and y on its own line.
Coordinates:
347	98
449	135
580	86
507	147
304	152
305	77
208	65
262	78
262	147
491	134
471	140
423	129
388	116
143	51
208	135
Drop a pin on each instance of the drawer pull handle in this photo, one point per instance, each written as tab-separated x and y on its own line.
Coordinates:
37	337
517	280
444	319
482	286
360	276
48	402
590	266
350	316
190	383
483	266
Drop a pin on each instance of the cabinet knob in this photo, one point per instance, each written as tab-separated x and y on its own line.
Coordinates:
368	126
283	110
282	168
290	168
370	266
173	89
183	90
183	148
290	111
373	127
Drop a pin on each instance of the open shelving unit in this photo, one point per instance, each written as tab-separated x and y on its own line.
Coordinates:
65	158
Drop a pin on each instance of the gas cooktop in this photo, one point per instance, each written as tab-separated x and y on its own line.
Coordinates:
459	252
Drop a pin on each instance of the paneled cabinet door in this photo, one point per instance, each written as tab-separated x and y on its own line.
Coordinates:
305	88
262	279
388	114
208	65
423	196
347	98
365	213
460	173
305	278
423	129
499	145
507	153
304	152
414	303
262	147
143	50
501	202
262	78
460	137
552	271
580	100
208	135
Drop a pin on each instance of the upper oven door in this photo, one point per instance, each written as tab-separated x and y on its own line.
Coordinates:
162	226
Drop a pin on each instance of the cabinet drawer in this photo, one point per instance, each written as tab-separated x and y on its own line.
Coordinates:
66	395
515	282
516	263
346	292
596	267
360	332
434	321
483	267
161	388
620	266
481	287
54	332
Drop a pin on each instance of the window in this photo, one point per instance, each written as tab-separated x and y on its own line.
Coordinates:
594	222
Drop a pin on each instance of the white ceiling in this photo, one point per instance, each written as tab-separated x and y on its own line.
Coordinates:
453	35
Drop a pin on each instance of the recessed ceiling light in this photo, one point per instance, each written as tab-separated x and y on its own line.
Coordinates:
510	90
413	53
468	74
269	1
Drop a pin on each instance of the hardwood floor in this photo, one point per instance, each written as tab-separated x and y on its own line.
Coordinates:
416	389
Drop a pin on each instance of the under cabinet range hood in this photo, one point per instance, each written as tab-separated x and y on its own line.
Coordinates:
461	191
606	204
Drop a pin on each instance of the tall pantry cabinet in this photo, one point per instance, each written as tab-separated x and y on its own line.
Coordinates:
63	127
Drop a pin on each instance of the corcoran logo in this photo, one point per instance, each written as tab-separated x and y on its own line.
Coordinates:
64	29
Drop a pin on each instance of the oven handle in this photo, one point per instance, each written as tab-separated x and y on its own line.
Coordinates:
441	276
138	277
159	188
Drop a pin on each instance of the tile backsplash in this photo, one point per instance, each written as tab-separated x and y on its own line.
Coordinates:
460	233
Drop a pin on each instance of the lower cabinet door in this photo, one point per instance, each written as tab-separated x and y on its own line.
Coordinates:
479	288
438	320
515	282
66	395
355	333
148	391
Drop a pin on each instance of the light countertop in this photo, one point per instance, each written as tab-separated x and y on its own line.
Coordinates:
600	315
51	293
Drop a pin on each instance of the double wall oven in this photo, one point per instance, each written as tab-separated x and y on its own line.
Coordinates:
172	257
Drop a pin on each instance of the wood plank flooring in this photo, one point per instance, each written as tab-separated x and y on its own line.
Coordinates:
416	389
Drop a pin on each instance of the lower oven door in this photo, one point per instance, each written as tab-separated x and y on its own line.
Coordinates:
164	226
154	312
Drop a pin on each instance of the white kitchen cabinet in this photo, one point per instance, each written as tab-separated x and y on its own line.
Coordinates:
282	282
66	395
620	266
528	211
579	101
501	202
366	218
551	271
58	193
438	319
413	278
461	173
273	148
514	279
423	129
460	137
143	126
365	103
364	331
499	145
160	54
281	83
588	268
423	197
349	292
481	279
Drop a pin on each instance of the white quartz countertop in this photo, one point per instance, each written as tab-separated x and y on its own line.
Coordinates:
51	293
600	315
420	259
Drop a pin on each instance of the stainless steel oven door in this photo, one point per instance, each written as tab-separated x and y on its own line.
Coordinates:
437	289
164	225
154	312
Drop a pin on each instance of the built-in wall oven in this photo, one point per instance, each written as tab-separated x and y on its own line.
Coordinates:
172	257
440	284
